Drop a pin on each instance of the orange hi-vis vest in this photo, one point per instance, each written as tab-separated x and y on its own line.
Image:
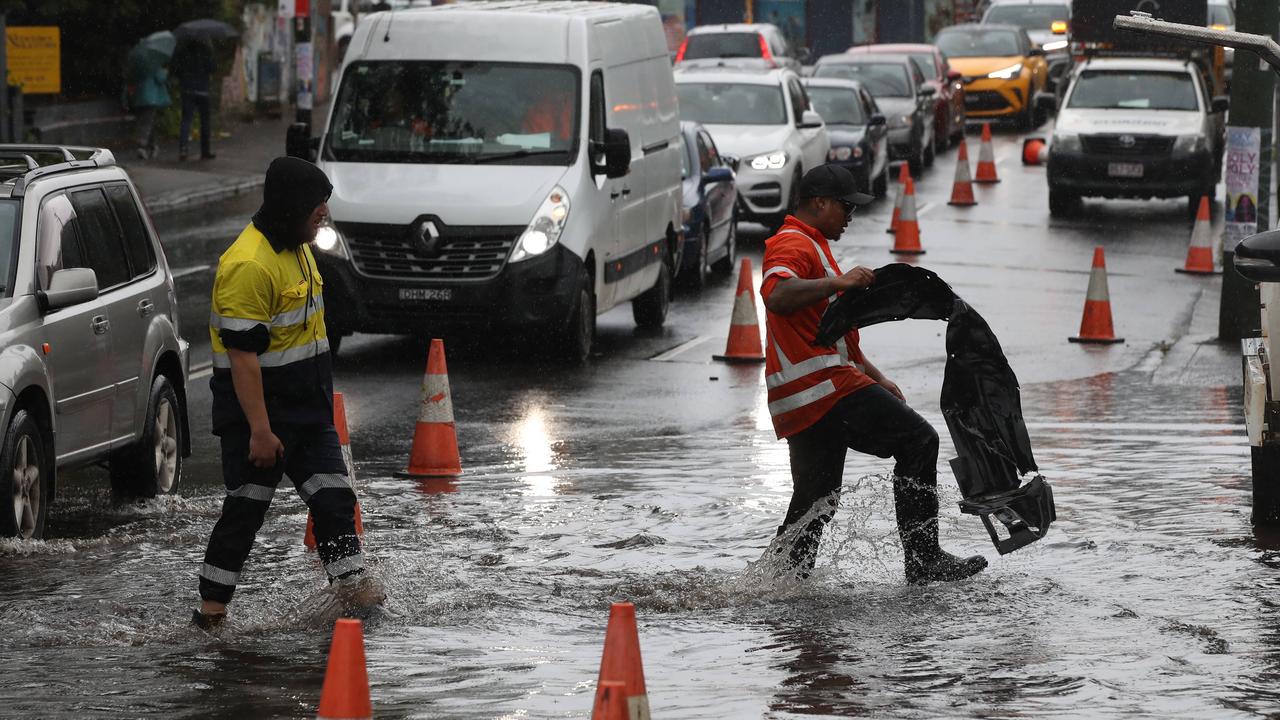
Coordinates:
804	380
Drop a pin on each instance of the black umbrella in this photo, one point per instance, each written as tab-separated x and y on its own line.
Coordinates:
205	29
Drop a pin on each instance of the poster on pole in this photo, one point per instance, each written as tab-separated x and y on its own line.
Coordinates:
305	74
1244	150
35	58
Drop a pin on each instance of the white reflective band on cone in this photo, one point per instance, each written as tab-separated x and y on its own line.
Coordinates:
436	403
1098	286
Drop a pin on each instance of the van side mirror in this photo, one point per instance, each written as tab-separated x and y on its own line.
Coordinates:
1036	52
1221	103
617	153
876	119
732	161
717	175
67	287
928	91
1046	103
809	119
954	75
805	55
297	141
1257	257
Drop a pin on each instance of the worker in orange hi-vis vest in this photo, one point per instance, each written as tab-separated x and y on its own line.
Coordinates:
824	401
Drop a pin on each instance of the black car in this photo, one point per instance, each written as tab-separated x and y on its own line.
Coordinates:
859	134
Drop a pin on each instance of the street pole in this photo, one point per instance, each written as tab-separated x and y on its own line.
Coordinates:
304	74
1252	105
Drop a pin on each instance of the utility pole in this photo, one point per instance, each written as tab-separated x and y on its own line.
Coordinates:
1252	105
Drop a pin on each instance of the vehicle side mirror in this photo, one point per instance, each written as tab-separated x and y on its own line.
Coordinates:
876	119
1046	103
928	91
1257	257
805	55
297	141
954	75
1036	52
809	119
617	153
1221	104
67	287
732	161
717	175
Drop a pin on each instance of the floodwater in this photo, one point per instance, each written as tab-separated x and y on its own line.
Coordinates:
1151	596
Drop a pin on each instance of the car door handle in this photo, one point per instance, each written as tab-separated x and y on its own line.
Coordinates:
100	325
146	307
616	194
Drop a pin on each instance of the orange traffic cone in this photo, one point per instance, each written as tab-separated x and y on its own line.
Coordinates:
345	695
907	241
1095	326
903	174
986	158
611	702
344	439
1034	151
435	441
962	189
744	327
1200	252
621	662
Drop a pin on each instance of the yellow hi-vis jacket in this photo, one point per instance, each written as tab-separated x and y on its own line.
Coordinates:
271	303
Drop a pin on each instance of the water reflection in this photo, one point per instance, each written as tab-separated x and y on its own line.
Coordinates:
533	440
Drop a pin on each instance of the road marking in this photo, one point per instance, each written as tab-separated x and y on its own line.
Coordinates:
924	209
190	271
680	349
202	370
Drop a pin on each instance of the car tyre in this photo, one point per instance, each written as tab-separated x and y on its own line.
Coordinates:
650	308
941	141
724	265
880	186
1062	203
25	479
153	465
578	337
928	154
697	276
915	163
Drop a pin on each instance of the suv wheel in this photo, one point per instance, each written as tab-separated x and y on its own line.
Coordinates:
153	465
650	309
24	479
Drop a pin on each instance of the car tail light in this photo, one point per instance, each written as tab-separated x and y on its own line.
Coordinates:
683	47
764	49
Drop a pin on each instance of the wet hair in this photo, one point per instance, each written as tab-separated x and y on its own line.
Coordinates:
294	188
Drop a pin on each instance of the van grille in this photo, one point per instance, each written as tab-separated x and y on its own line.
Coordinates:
1132	145
463	253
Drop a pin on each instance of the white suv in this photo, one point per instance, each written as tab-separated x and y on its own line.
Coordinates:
766	121
94	369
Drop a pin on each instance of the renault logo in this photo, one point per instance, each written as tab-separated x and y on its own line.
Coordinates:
426	239
1128	141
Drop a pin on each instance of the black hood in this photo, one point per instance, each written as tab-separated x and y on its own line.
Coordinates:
294	189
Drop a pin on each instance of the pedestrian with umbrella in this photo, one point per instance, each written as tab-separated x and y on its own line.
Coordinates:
146	87
193	63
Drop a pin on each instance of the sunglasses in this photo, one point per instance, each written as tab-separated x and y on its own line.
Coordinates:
848	207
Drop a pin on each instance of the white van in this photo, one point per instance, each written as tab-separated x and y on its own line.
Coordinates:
506	165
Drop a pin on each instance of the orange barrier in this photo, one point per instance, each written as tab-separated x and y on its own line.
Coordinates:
611	702
1034	151
621	662
1200	252
435	440
962	188
345	695
744	327
344	439
903	173
907	239
1095	326
986	158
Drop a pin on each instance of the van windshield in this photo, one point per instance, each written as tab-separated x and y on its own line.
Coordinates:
731	104
456	113
1119	90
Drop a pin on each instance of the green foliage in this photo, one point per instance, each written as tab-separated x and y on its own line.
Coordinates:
97	34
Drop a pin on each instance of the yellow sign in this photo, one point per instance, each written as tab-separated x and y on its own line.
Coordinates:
35	58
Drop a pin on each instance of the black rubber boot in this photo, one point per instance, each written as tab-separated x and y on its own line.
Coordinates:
925	561
207	623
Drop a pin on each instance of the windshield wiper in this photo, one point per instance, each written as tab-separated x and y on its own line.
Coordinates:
517	154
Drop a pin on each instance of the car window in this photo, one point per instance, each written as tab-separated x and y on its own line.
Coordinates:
870	103
799	101
881	79
925	63
979	43
723	45
1124	90
731	103
705	159
100	237
1028	17
137	244
838	106
57	239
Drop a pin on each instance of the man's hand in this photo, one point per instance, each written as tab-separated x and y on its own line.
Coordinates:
856	279
265	449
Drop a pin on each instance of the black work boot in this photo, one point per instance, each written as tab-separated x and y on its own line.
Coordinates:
925	561
208	623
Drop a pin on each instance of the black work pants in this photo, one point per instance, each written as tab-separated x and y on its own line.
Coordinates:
313	461
870	421
193	103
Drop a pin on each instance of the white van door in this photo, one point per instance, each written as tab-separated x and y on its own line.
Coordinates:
623	102
606	193
662	155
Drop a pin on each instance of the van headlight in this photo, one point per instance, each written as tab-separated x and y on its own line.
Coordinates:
330	241
1066	142
1187	144
545	228
1007	73
769	161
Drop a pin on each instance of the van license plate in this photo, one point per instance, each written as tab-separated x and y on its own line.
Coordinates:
437	294
1125	170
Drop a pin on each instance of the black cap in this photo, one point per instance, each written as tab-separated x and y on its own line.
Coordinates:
832	181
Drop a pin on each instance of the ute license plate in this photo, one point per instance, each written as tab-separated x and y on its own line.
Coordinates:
1124	170
423	294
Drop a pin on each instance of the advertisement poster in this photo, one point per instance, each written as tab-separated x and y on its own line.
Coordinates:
35	59
1244	149
788	15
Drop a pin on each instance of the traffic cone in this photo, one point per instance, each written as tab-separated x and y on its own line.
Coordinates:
903	174
611	702
344	440
744	327
621	662
345	695
1200	252
1034	151
907	240
435	441
1095	326
962	189
986	158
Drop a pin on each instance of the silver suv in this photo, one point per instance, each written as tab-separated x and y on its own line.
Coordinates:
91	365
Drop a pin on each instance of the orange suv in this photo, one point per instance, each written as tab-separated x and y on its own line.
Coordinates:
1003	71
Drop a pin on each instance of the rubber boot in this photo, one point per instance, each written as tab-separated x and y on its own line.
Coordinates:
916	504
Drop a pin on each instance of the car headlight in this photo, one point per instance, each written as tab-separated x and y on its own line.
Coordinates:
840	153
1008	73
329	240
1186	144
769	161
1066	142
545	228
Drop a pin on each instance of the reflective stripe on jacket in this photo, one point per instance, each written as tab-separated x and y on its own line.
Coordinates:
803	380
